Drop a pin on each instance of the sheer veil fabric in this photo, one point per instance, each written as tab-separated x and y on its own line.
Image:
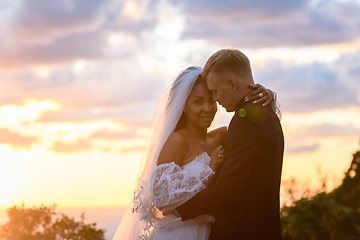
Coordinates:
136	222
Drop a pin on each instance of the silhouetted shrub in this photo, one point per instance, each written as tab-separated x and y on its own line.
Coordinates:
43	223
328	216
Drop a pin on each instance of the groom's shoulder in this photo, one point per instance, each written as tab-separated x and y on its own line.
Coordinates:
253	113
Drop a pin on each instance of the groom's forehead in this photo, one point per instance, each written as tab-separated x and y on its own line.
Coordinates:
212	80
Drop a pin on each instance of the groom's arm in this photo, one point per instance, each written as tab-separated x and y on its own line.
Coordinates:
241	154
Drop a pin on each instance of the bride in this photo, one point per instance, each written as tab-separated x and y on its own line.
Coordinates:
179	159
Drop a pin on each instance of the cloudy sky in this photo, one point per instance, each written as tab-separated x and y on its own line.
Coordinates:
79	82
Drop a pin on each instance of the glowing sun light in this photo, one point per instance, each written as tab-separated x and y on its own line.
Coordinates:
131	9
29	111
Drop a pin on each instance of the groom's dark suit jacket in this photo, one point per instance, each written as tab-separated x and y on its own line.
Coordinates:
244	196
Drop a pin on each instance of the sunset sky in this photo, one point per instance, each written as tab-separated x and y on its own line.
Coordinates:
80	79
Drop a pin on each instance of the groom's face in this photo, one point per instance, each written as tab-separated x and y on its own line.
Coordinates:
221	90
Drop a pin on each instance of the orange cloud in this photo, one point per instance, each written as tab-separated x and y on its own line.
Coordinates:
16	140
106	134
132	149
81	145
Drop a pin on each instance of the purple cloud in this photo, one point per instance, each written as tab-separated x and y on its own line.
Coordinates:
307	87
302	148
260	23
46	33
108	86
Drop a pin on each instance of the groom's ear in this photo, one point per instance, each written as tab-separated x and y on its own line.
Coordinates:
233	84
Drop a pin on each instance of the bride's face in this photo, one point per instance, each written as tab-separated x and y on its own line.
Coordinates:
200	109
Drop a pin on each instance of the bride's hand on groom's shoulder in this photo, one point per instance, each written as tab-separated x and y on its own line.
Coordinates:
260	95
217	157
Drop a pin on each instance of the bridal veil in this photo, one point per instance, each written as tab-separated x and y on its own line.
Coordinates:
136	222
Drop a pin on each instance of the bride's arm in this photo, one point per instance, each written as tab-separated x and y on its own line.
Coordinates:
172	185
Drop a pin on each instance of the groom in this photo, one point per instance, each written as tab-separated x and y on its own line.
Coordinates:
244	195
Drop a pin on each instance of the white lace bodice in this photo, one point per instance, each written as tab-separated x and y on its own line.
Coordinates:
172	185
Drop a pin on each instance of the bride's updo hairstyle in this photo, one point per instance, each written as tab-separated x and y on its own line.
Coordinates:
184	79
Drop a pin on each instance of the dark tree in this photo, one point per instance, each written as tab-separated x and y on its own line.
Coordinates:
44	223
330	216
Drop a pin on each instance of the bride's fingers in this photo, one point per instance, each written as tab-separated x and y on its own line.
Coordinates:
261	100
258	99
255	86
266	103
218	155
221	155
219	151
257	95
255	92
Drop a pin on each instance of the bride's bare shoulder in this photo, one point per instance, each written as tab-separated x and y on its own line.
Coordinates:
218	132
174	150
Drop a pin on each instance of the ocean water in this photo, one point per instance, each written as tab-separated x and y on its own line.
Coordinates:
105	218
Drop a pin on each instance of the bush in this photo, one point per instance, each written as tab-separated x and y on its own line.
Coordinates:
44	223
330	216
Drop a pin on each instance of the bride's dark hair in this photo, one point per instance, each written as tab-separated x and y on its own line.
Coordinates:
183	119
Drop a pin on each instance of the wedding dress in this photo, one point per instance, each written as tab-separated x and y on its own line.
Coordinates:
171	186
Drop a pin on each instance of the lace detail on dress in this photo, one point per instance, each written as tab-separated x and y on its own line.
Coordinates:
173	185
145	212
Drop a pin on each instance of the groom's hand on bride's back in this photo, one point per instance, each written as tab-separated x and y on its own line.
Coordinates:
217	156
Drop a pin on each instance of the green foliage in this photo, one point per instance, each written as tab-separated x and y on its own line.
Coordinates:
330	216
44	224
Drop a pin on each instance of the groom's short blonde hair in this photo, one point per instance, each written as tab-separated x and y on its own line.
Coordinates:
229	59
